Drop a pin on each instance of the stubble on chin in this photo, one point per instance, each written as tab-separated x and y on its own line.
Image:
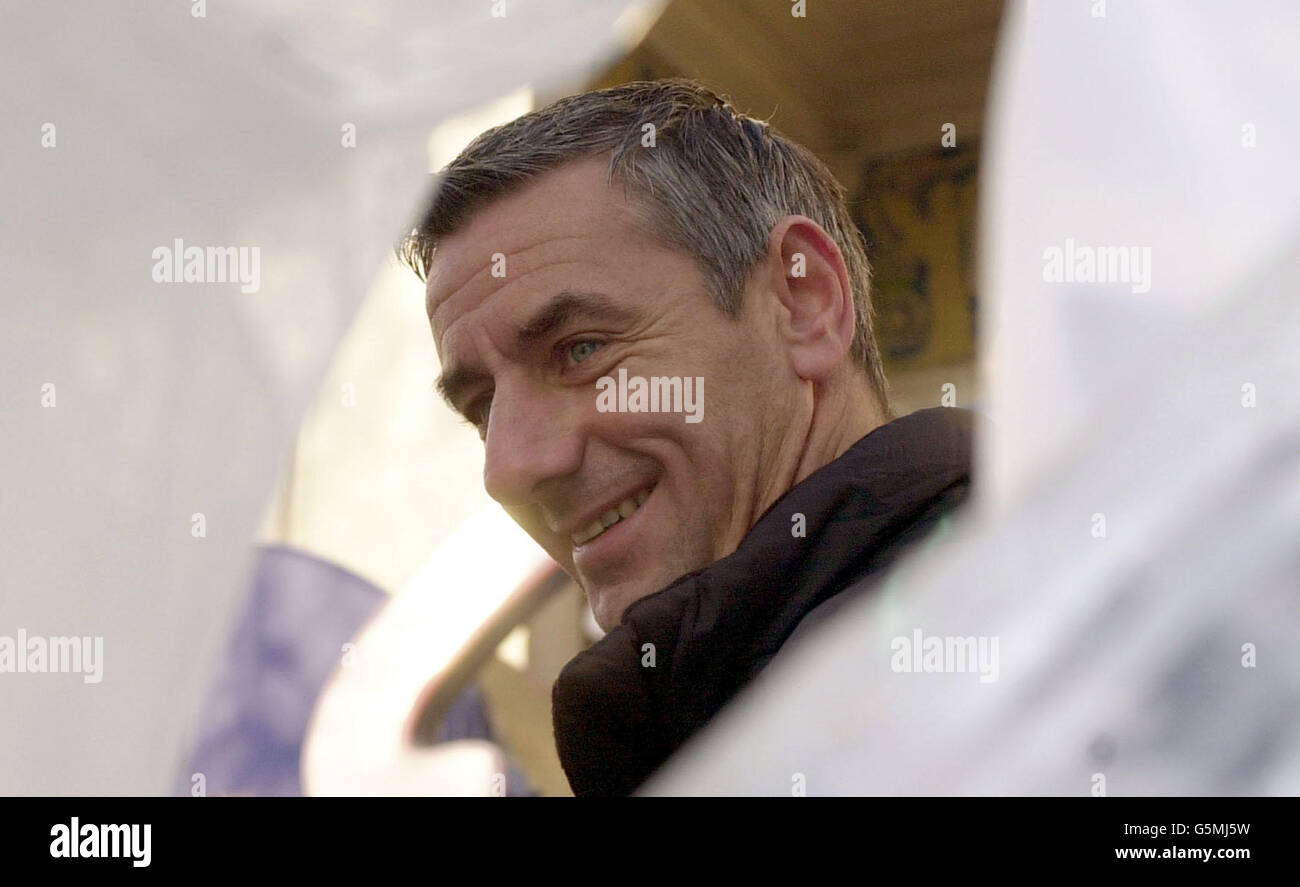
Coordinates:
616	599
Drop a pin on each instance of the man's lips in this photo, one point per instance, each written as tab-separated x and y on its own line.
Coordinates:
608	557
598	521
590	522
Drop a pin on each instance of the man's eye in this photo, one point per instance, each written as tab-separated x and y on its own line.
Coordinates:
477	412
581	350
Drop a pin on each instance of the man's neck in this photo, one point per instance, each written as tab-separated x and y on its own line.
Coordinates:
841	418
843	413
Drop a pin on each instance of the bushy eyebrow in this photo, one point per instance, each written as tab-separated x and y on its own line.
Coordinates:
452	385
563	308
568	306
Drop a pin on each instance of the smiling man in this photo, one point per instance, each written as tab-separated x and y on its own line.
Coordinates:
650	232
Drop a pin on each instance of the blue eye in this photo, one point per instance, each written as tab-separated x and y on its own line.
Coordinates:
581	350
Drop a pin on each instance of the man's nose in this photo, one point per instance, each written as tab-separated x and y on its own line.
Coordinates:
533	436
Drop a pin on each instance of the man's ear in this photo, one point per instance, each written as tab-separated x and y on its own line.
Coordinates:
817	320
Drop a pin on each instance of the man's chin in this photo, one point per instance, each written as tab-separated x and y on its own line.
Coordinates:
610	599
608	603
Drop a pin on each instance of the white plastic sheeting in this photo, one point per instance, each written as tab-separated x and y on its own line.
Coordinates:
173	400
1164	126
1133	551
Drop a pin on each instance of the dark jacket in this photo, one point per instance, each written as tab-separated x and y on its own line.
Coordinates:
617	719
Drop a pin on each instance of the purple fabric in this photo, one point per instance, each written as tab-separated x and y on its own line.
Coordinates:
287	640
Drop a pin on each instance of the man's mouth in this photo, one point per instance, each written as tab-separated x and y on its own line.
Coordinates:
624	509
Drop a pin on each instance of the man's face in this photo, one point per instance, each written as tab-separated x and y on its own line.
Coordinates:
585	293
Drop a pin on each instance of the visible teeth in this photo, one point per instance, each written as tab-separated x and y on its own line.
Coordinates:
608	519
594	529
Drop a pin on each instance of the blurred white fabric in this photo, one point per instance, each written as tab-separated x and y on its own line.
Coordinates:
1126	130
177	399
1151	651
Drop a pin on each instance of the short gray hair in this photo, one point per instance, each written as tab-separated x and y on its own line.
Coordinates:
714	186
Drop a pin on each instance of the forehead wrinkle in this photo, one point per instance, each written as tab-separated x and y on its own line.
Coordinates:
513	258
502	311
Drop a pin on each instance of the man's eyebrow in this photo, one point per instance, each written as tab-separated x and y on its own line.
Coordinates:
566	306
452	385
